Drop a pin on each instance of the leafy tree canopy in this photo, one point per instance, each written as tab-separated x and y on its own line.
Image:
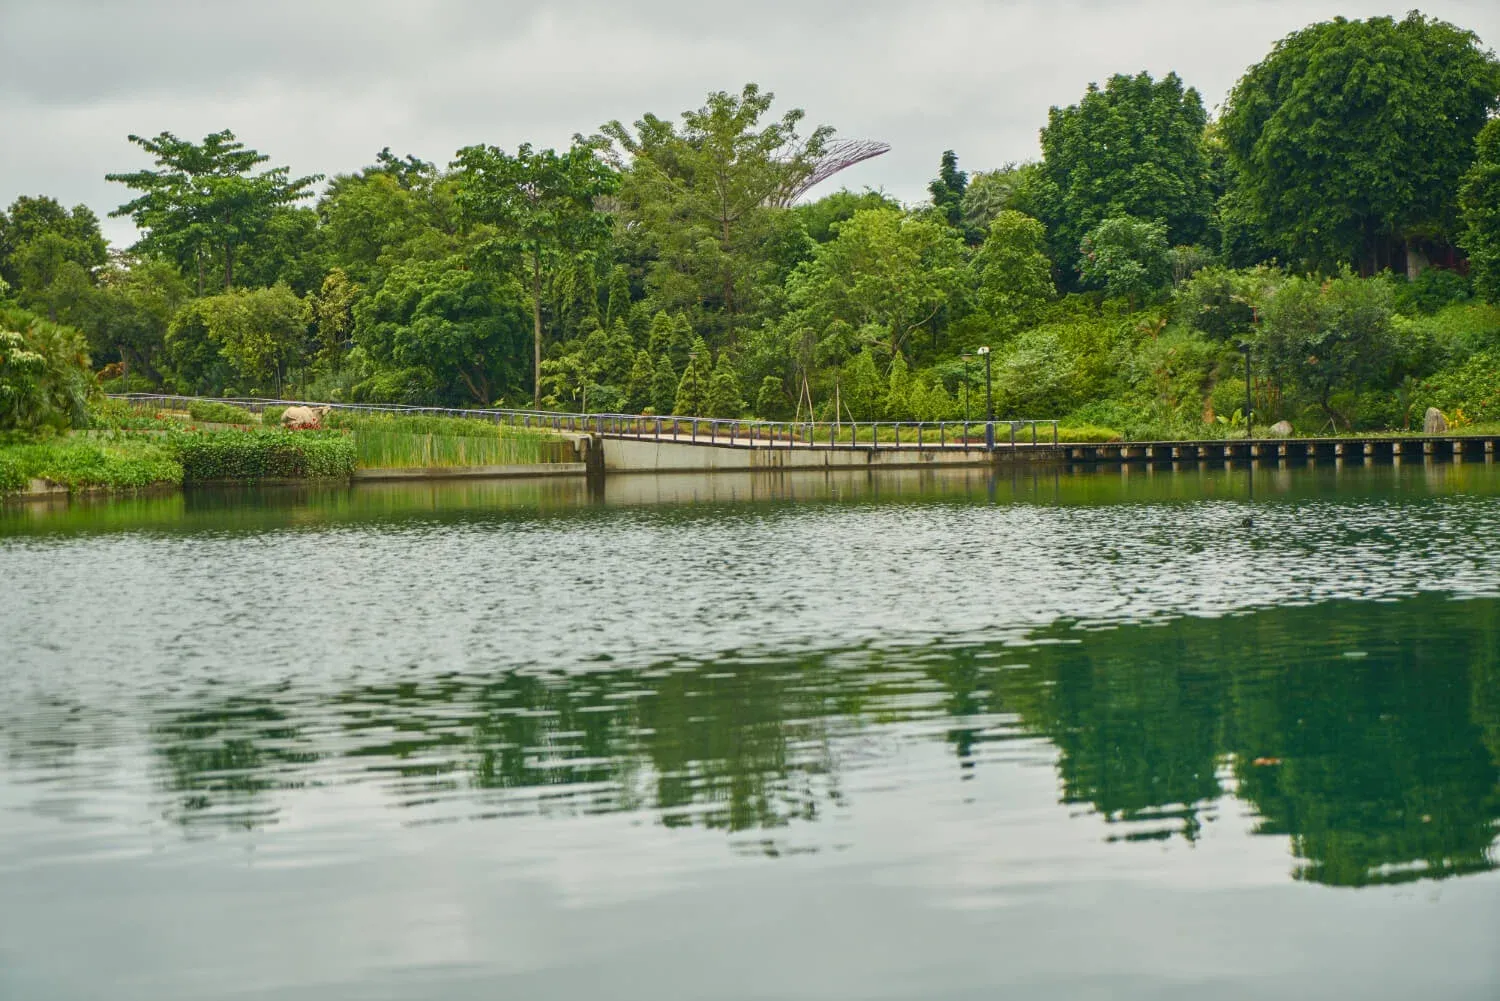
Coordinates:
1479	202
705	194
1351	136
1134	148
204	200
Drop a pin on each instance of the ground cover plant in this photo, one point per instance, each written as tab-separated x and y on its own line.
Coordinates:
117	463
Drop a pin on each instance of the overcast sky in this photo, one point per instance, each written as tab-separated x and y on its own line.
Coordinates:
322	85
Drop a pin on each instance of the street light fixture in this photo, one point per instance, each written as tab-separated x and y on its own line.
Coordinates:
989	403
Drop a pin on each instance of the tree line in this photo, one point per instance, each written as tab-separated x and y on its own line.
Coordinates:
1339	218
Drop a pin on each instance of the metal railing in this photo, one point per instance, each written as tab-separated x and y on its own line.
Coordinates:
875	435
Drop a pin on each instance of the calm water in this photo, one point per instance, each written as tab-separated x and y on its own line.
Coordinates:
918	737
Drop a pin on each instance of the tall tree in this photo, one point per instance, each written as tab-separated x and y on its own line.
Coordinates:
1348	141
390	213
205	200
457	331
947	189
74	235
331	310
703	192
1479	201
542	206
886	275
1014	275
1126	257
1133	148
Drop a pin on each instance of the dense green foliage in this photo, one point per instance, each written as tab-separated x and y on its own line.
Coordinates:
219	413
1322	223
1479	201
1351	137
45	381
1134	148
118	462
268	453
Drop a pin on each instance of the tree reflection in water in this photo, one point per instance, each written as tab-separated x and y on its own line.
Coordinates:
1368	735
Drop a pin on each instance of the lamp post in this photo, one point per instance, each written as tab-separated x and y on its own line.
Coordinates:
693	370
989	403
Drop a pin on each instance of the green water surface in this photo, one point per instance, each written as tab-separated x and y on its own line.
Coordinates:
1049	734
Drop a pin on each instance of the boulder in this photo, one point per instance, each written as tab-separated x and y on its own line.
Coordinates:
303	418
1434	422
1281	429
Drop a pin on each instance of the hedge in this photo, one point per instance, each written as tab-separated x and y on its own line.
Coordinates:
266	453
219	413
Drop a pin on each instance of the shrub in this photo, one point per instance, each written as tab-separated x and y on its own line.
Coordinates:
262	454
1474	386
45	378
1430	291
118	415
219	413
1086	433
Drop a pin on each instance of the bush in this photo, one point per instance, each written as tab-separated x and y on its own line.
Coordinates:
219	413
117	415
263	454
1473	386
45	378
1431	291
1086	433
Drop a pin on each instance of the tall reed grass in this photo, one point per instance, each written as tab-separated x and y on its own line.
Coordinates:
378	448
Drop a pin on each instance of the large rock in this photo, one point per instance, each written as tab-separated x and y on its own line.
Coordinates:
303	418
1281	429
1434	422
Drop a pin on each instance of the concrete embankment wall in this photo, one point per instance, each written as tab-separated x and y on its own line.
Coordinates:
627	455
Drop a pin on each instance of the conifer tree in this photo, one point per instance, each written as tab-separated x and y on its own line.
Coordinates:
898	391
724	399
638	394
770	399
659	335
692	391
617	307
663	386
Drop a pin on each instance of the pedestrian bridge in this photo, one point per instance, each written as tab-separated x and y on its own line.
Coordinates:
665	444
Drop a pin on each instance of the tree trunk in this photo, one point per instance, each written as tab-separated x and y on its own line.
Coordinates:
728	278
1416	260
200	272
536	331
228	266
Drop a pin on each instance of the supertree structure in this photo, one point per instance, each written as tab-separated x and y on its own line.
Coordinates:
836	156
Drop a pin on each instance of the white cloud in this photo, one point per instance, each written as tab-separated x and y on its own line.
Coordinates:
323	85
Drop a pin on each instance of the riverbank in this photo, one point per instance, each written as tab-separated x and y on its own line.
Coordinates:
131	449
